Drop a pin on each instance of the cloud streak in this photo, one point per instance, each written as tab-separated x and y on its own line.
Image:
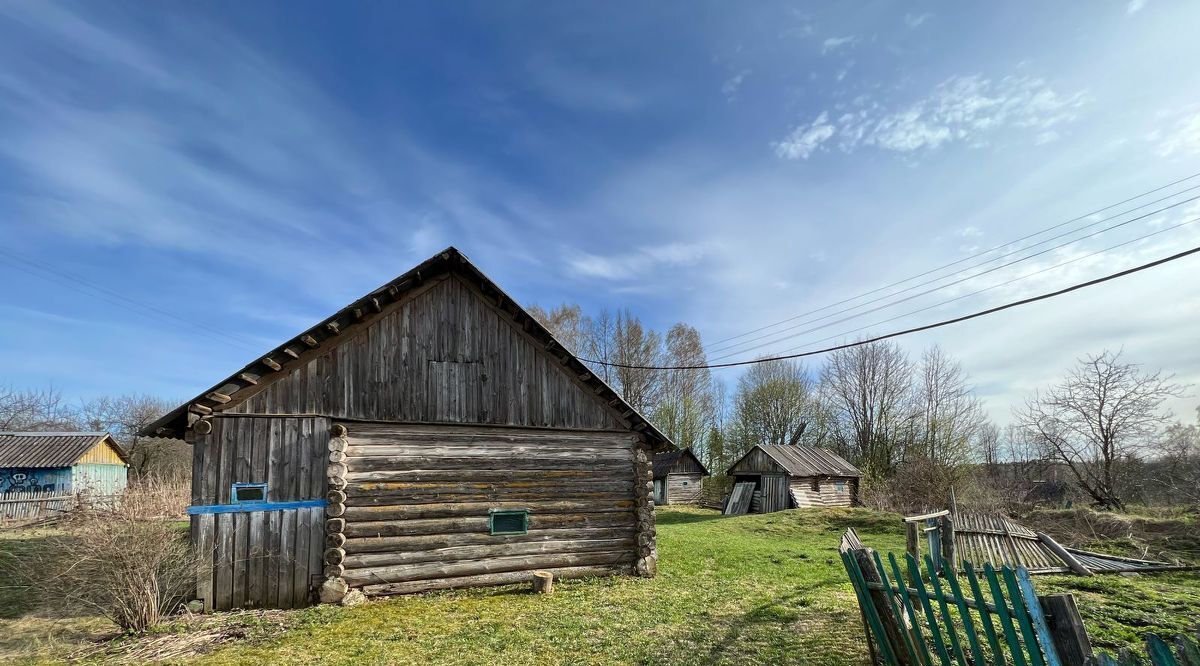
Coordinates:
962	109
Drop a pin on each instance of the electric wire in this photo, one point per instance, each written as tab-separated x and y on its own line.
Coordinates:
916	329
982	253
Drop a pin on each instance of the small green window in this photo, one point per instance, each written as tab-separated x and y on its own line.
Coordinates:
506	521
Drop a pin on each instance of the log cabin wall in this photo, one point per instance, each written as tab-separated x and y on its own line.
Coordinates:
683	488
417	501
259	554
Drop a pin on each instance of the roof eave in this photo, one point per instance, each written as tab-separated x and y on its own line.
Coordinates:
217	399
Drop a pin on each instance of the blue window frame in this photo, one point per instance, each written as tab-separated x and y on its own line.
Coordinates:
248	492
508	521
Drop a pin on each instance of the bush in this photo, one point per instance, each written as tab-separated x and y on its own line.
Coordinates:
126	558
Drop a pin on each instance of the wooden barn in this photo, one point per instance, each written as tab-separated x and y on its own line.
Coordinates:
61	463
430	435
677	477
785	477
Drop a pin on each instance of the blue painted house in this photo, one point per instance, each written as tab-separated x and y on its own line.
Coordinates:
62	462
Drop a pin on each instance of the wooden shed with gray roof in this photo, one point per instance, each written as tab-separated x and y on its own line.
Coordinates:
430	435
677	477
61	463
787	477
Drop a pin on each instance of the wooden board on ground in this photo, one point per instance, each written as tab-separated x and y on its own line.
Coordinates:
739	499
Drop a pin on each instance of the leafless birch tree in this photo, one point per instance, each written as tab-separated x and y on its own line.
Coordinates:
1102	415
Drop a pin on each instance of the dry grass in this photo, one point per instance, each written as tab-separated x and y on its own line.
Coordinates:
1171	536
125	559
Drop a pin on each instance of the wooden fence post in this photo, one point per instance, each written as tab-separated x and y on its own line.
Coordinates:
949	552
1066	629
892	625
912	539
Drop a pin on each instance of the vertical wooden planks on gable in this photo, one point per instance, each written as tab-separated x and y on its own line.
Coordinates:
275	460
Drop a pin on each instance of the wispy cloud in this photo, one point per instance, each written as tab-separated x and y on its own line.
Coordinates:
1184	138
806	139
1134	6
733	84
961	109
915	20
637	263
835	43
577	88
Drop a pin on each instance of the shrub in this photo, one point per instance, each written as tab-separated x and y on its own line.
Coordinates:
126	558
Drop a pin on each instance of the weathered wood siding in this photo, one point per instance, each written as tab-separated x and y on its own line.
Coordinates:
683	488
775	497
816	492
417	500
757	462
445	355
259	558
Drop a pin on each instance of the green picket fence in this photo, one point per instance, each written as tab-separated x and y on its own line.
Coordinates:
920	619
914	617
1183	651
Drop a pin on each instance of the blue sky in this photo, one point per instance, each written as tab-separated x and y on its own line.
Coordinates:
250	168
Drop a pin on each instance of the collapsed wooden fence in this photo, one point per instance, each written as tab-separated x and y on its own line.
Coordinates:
26	506
1002	621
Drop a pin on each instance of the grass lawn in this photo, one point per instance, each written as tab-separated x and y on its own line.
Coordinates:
762	589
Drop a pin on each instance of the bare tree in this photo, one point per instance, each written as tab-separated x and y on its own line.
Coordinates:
686	406
1178	474
950	414
1104	414
566	322
988	442
636	345
41	410
125	417
869	387
772	405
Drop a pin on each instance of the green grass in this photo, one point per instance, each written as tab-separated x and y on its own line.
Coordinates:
764	589
759	589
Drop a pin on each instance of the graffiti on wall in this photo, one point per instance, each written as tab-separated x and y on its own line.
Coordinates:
14	480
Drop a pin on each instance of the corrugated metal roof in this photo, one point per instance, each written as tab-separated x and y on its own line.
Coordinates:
810	461
49	449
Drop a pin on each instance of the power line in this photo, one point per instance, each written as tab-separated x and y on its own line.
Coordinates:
95	290
909	331
997	285
985	252
928	282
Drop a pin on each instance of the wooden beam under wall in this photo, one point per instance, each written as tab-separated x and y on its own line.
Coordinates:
309	340
333	327
272	363
248	378
218	397
375	304
291	352
197	408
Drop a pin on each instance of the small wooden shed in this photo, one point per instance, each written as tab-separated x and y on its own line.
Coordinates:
787	477
61	463
677	477
430	435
